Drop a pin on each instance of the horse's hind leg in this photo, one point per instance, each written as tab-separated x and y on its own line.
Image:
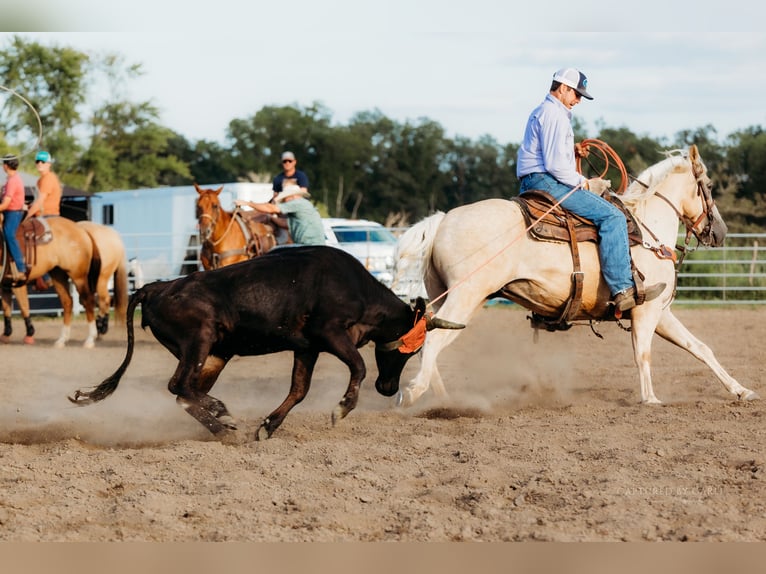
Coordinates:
671	329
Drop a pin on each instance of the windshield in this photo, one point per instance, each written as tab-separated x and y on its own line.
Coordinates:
363	234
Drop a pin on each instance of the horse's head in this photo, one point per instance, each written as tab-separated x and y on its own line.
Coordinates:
208	211
682	181
700	213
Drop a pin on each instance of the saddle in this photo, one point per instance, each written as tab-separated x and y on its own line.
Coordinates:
257	242
547	221
31	233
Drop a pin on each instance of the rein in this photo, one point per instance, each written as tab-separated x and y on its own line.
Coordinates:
664	252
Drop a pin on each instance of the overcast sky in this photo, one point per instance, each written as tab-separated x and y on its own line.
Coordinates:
476	67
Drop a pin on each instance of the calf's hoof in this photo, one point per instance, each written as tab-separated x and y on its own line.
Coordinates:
339	412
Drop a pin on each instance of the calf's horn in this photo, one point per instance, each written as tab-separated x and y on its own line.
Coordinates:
439	323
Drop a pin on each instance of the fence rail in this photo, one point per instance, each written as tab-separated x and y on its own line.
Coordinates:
734	274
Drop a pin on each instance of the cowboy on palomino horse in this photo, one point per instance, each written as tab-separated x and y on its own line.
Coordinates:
546	161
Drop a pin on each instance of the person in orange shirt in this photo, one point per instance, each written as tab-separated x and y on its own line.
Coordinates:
48	201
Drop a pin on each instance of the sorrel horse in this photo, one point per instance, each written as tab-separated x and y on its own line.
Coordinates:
483	250
230	237
66	254
108	244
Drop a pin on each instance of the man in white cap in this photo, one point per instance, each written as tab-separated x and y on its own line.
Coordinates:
303	219
546	161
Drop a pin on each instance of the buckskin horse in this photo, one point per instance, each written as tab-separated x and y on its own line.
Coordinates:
230	237
61	248
463	263
110	250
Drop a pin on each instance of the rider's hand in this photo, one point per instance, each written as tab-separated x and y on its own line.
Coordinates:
599	186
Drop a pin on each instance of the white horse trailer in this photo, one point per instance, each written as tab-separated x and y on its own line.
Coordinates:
159	225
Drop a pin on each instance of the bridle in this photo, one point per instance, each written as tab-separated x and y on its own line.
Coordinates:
207	238
704	192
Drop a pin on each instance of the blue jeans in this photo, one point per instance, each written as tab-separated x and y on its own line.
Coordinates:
614	248
11	222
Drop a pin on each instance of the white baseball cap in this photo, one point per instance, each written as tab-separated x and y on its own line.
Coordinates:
575	79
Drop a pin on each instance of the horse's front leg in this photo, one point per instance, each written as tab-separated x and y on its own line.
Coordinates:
643	324
671	329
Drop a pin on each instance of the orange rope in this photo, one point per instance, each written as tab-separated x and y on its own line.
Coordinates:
583	149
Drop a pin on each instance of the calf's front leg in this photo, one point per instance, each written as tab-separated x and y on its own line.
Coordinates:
303	368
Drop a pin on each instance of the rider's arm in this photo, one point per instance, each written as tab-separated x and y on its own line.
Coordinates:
263	207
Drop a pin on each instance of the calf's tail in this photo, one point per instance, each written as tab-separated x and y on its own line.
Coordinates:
108	386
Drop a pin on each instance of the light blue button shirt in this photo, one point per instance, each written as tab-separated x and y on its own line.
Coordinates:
548	144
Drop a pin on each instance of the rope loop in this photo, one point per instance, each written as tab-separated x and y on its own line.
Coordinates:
37	117
605	151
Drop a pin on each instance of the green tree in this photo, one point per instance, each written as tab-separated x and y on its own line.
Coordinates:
128	150
53	80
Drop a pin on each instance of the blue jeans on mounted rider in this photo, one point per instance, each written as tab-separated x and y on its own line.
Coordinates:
614	248
11	222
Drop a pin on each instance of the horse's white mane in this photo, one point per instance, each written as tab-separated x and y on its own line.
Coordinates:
644	185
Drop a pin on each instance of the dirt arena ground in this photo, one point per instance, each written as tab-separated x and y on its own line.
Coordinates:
538	441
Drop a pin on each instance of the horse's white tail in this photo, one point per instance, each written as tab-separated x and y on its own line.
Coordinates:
413	254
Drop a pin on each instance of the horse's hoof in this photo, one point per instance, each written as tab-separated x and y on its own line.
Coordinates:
5	339
748	395
89	344
29	340
652	401
59	344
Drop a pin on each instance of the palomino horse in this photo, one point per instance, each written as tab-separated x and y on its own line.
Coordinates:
230	237
67	255
108	244
464	263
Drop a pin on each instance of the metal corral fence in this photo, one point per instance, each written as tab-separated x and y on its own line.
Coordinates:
731	275
734	274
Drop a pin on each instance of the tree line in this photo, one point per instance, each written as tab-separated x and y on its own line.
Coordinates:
373	167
